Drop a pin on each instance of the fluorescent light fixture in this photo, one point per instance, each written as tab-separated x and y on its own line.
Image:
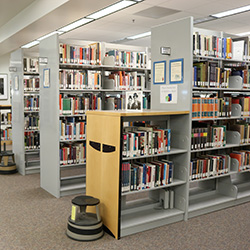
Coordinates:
111	9
232	12
243	34
50	34
31	44
139	35
75	24
204	19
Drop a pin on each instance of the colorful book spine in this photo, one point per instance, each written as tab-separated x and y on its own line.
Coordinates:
73	153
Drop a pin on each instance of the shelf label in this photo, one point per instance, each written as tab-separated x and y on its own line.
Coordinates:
12	69
43	60
165	51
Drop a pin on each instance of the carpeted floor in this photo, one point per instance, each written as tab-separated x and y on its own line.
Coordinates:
32	219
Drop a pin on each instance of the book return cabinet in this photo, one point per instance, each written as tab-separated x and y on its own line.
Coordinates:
131	210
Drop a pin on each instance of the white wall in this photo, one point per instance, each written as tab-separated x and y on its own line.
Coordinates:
4	69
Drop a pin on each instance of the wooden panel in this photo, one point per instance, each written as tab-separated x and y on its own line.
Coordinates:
132	113
6	142
103	169
5	106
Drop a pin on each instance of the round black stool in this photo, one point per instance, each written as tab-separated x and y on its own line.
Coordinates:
84	226
7	162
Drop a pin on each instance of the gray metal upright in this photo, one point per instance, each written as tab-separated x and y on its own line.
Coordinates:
16	61
49	117
177	36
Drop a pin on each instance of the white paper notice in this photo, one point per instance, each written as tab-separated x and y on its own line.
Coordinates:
168	94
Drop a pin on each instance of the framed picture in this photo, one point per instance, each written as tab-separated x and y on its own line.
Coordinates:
16	82
159	72
3	86
176	71
134	101
46	78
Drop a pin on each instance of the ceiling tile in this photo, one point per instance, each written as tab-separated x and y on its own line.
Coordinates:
185	5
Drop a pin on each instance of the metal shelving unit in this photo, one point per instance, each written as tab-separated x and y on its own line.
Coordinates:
51	170
27	159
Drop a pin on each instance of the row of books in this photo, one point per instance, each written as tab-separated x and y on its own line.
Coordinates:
128	81
72	128
139	141
138	176
32	140
80	79
6	134
212	136
208	74
129	58
31	84
211	45
31	103
31	122
243	157
211	107
206	166
89	54
30	65
6	118
73	153
72	105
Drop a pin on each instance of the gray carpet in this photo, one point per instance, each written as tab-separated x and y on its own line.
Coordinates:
30	218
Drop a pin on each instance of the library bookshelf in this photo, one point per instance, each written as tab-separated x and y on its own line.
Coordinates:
25	110
74	86
209	70
125	212
6	124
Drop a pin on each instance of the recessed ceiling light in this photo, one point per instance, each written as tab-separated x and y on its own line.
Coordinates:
111	9
139	35
232	12
50	34
29	45
75	24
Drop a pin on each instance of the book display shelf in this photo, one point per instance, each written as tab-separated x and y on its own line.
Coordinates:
220	117
218	82
158	196
25	110
78	76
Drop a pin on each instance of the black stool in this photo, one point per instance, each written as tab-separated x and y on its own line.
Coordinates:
7	162
84	226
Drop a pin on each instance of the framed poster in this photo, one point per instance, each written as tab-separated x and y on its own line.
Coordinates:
3	86
134	101
46	78
176	71
159	72
16	82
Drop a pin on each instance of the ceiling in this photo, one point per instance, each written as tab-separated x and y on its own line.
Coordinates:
26	20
